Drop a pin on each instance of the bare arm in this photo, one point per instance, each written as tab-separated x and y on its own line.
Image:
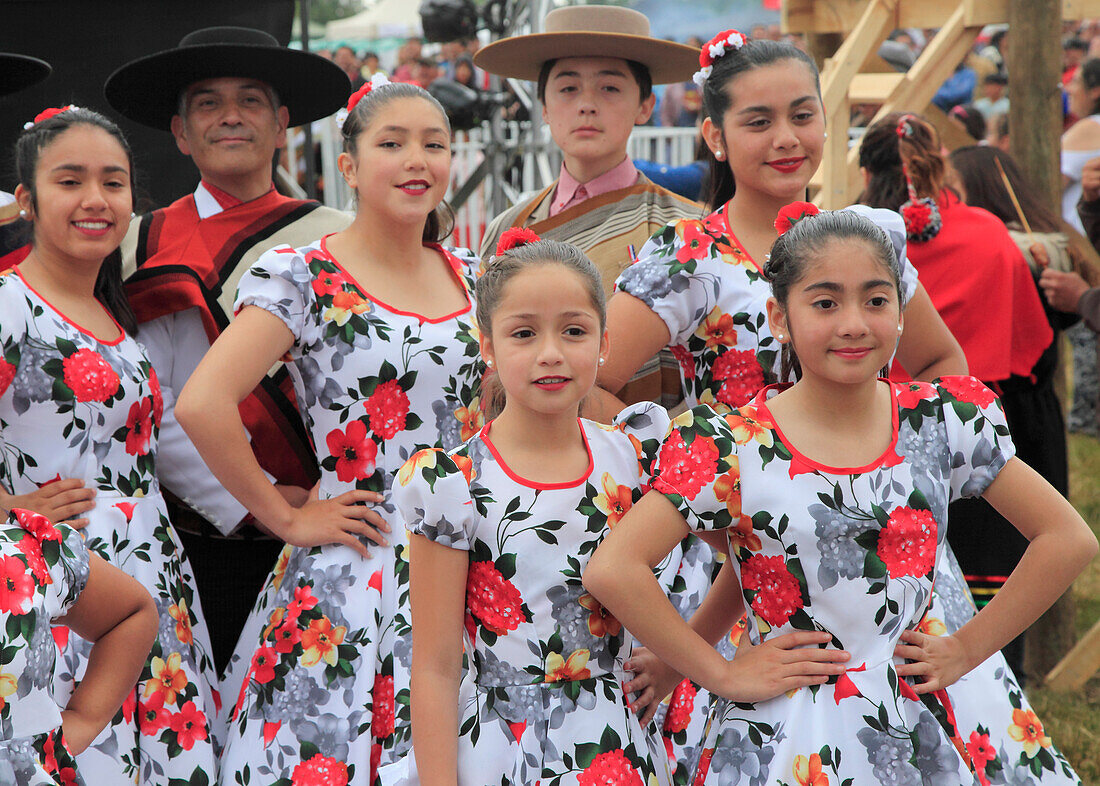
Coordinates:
619	574
57	501
207	410
927	349
1061	545
437	588
636	334
116	613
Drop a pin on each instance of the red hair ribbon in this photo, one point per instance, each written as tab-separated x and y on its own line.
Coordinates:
516	237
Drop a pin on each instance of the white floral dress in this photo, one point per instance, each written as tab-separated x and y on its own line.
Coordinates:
697	277
543	699
855	552
322	667
72	406
44	569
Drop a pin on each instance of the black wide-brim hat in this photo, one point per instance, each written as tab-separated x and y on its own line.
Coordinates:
21	71
147	90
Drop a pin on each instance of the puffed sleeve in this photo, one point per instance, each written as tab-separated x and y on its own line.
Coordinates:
697	469
646	425
281	283
432	496
977	434
891	222
676	273
13	328
56	557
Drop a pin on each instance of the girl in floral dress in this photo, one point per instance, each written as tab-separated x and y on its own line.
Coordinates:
830	496
502	528
697	287
377	325
79	399
51	577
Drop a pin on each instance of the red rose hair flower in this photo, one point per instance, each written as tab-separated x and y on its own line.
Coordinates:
46	114
516	237
715	49
376	81
793	213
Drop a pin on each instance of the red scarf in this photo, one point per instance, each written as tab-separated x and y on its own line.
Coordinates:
982	287
184	262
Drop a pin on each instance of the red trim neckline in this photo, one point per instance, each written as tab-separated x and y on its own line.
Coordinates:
85	331
484	434
888	457
725	213
449	258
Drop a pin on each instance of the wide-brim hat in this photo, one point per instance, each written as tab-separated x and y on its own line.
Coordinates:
21	71
147	90
590	31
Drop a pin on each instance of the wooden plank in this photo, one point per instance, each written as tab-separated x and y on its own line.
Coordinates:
873	88
834	163
842	16
1079	664
864	40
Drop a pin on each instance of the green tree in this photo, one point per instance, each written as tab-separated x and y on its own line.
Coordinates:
324	11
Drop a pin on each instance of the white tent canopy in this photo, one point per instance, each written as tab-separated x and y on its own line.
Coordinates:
384	19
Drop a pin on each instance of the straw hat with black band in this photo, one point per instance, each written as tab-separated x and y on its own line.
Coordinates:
590	31
21	71
147	90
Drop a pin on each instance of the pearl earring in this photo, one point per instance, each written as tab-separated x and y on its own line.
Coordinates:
133	215
22	213
601	361
900	328
778	336
825	135
489	363
720	155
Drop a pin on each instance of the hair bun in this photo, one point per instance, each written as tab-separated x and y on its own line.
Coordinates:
793	213
516	237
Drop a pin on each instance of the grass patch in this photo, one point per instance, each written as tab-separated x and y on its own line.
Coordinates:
1072	720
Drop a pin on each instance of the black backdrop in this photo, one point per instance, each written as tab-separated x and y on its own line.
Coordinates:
86	40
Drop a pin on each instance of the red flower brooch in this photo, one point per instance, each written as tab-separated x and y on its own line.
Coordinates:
793	213
516	237
715	49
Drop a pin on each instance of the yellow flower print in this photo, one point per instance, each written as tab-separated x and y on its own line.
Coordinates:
319	642
421	459
168	678
558	669
615	500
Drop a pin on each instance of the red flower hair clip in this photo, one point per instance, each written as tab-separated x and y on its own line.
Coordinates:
793	213
376	81
46	114
715	49
516	237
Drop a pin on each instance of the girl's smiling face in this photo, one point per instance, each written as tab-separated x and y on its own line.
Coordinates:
546	340
773	132
842	317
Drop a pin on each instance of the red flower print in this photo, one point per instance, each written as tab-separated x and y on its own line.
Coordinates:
304	600
469	624
906	691
49	761
980	750
354	450
685	469
610	769
387	406
157	396
263	664
89	376
153	715
320	771
517	729
382	721
286	637
328	283
36	525
189	724
844	687
16	586
704	767
685	359
968	389
270	730
375	759
127	509
32	550
807	771
907	544
7	374
778	595
911	394
680	707
741	375
696	241
601	622
129	706
140	427
491	598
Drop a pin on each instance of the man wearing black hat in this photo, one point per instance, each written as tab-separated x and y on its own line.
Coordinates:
227	94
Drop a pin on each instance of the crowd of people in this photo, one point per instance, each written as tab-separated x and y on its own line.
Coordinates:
645	490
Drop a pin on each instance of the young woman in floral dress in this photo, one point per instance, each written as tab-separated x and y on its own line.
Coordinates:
697	288
79	399
830	497
502	528
377	325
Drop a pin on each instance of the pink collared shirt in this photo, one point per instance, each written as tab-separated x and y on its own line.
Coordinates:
569	192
